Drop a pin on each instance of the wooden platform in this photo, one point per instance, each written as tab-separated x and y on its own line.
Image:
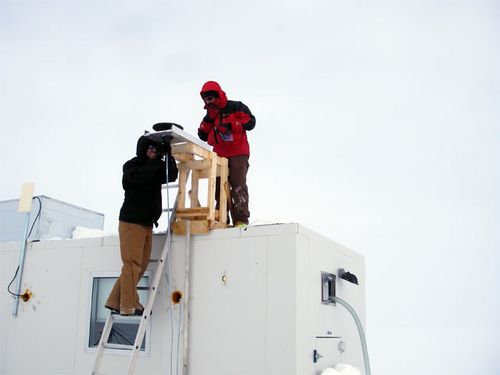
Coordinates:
199	163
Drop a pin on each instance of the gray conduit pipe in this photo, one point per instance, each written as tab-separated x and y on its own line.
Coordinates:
360	331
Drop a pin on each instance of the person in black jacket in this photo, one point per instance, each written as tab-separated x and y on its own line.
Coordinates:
143	176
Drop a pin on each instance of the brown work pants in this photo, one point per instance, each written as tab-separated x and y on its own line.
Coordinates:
135	250
238	168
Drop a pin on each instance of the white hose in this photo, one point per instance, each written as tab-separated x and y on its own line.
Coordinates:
360	331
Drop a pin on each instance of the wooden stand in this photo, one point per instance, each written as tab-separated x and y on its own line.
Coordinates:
201	164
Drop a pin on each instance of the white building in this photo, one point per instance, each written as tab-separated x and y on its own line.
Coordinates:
255	305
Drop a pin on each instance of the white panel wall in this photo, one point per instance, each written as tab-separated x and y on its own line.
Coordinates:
263	320
303	305
281	298
228	320
47	321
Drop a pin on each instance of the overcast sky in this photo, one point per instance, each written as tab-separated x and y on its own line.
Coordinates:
377	126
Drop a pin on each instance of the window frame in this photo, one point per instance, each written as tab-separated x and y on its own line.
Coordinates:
88	348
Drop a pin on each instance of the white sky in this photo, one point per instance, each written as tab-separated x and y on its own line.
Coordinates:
377	126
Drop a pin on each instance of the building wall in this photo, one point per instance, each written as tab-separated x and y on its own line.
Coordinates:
49	218
262	320
41	339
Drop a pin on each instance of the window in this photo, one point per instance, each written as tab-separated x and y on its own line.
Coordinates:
124	329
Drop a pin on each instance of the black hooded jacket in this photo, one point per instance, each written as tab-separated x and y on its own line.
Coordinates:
142	180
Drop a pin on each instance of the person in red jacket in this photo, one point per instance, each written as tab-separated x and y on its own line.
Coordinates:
225	128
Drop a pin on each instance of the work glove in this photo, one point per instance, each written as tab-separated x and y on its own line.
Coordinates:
202	135
165	148
212	112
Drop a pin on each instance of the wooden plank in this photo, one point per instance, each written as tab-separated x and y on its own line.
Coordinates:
181	194
190	148
211	187
197	227
182	148
188	213
217	225
193	195
222	191
194	210
204	173
211	166
197	150
182	157
195	164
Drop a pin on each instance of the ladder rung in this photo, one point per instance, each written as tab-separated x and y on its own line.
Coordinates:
117	317
118	346
143	288
169	186
154	260
167	210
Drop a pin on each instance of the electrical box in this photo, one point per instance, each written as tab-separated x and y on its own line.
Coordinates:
327	288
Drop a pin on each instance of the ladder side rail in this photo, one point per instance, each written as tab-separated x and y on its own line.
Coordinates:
152	292
151	296
104	339
149	305
185	327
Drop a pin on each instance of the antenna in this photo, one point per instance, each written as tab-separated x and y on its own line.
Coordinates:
25	202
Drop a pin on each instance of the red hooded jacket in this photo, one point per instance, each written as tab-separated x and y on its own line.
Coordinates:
226	123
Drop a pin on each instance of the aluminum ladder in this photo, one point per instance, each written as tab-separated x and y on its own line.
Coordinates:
153	288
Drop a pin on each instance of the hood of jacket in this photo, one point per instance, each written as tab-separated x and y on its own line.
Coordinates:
221	101
142	146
